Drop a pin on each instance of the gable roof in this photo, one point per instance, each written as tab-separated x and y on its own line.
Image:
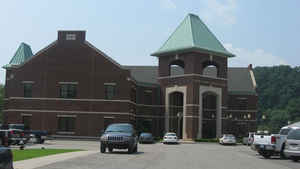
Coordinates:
239	79
192	34
23	53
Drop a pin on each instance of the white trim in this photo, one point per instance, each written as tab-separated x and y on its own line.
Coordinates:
39	98
149	116
23	114
169	90
192	74
66	115
253	78
110	84
65	132
72	112
108	117
68	83
218	92
103	54
28	82
250	111
66	99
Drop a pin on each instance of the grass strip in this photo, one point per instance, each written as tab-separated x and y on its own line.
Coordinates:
19	155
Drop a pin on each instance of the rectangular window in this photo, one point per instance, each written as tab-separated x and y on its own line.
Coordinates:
26	121
68	90
27	89
148	97
110	91
70	37
66	124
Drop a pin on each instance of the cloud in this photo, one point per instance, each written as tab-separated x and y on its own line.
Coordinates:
214	11
168	4
258	57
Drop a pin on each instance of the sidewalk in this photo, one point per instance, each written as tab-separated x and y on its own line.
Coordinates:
42	161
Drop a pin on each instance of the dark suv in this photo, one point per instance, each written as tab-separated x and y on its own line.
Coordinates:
119	136
6	158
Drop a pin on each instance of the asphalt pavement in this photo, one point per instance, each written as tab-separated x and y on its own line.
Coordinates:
160	156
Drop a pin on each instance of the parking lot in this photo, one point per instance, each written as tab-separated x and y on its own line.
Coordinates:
154	156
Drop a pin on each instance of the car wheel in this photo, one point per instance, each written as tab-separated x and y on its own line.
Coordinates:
110	149
9	165
295	159
266	155
42	141
135	149
130	150
282	156
102	148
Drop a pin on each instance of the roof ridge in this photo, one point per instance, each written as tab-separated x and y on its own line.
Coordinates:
192	30
212	34
181	23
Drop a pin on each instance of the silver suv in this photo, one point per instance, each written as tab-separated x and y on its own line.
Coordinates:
119	136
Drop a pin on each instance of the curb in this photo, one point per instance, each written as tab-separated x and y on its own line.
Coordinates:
42	161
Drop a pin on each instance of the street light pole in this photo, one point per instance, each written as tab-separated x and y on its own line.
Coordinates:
178	125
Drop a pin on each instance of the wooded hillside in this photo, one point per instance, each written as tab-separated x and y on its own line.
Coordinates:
278	88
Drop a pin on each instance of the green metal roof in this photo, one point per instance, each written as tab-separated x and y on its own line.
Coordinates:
192	34
22	54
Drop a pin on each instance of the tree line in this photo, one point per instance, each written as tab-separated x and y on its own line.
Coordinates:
278	89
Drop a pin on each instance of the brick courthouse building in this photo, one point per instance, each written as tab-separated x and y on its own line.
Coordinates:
72	88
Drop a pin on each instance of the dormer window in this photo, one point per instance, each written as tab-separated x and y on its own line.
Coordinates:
70	37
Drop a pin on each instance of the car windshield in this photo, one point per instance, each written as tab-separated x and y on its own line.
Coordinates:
146	134
284	131
124	128
16	126
294	135
229	136
171	134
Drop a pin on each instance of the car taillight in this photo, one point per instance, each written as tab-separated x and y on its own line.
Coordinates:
11	132
22	134
273	140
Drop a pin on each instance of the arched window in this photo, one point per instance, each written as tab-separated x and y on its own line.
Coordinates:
176	68
210	68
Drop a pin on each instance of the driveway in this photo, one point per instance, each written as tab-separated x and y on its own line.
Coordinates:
159	156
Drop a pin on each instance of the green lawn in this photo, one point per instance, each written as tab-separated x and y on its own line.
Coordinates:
33	153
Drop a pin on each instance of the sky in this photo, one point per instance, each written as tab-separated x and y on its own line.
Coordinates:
262	33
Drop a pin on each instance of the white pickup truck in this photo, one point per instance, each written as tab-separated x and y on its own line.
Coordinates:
271	145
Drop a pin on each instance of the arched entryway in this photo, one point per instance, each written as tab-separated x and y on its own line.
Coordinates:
210	112
209	107
176	113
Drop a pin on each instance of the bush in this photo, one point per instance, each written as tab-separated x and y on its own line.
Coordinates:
208	140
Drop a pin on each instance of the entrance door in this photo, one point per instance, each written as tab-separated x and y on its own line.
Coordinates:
176	113
209	115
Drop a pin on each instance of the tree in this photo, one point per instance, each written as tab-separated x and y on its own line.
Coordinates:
1	100
278	89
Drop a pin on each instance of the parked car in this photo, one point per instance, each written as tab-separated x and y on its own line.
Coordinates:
272	145
292	145
146	138
6	158
227	139
14	136
170	138
39	135
119	136
249	140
